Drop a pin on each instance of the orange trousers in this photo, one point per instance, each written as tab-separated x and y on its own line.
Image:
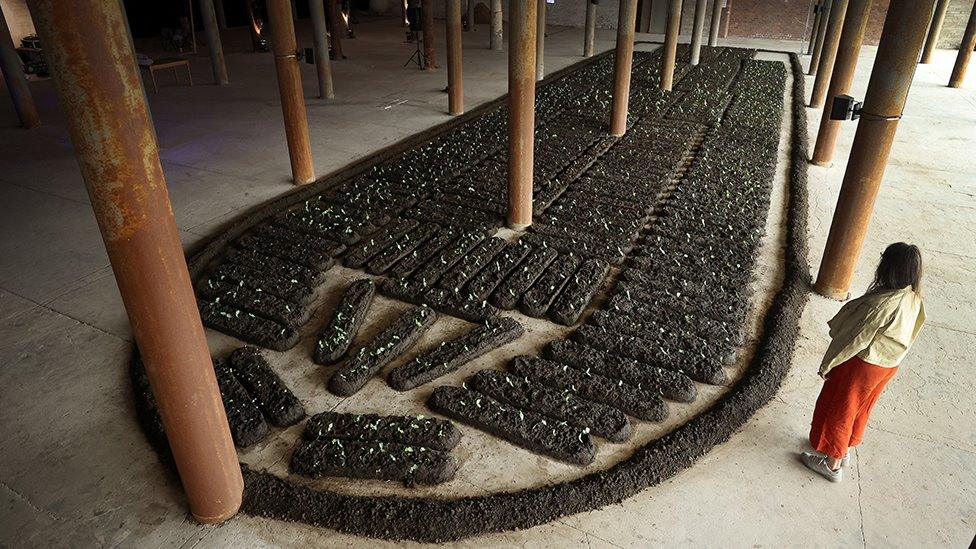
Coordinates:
844	405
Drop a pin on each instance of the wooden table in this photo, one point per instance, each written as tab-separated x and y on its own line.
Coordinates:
167	63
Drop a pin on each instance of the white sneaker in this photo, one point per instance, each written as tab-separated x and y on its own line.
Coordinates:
846	460
818	464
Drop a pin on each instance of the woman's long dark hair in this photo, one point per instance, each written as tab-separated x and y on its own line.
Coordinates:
900	266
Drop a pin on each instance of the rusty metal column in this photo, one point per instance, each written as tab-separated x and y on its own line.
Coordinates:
455	85
623	62
540	40
290	88
938	18
670	44
817	10
716	23
965	52
338	27
323	65
89	49
855	24
495	36
521	110
726	18
16	80
838	12
821	32
221	15
471	5
901	42
589	34
213	42
427	27
696	32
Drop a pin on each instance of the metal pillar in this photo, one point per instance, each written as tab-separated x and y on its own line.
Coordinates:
16	80
89	50
716	23
221	15
337	26
213	42
670	44
817	12
838	12
965	52
589	35
726	18
471	5
696	32
521	110
495	36
623	61
901	42
821	32
855	24
427	27
290	88
933	37
455	84
323	65
540	41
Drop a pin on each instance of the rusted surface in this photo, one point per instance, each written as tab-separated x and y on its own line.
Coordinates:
623	61
455	83
838	13
670	44
540	40
697	30
213	42
938	18
901	42
589	35
337	25
855	23
521	110
323	66
825	9
290	89
716	23
726	17
496	38
965	52
89	50
471	15
427	24
15	79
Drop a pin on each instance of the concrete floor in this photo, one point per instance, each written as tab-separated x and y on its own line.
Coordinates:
76	471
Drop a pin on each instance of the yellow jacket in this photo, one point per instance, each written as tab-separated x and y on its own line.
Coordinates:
877	327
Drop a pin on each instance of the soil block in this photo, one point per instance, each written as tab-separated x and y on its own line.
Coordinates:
242	296
285	288
389	344
579	291
273	397
275	266
447	258
422	253
372	459
339	333
641	403
540	296
401	248
247	326
508	293
452	354
247	425
361	253
448	302
482	284
530	430
602	420
471	263
434	433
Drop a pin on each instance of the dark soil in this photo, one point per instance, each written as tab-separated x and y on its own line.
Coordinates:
540	296
510	291
471	263
372	459
485	282
247	425
579	291
520	427
401	248
361	253
446	301
521	392
452	354
389	344
286	288
241	296
272	396
247	326
343	325
434	433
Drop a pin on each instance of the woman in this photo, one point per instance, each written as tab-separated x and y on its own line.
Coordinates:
870	336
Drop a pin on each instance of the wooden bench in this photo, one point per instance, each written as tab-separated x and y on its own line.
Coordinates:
167	63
